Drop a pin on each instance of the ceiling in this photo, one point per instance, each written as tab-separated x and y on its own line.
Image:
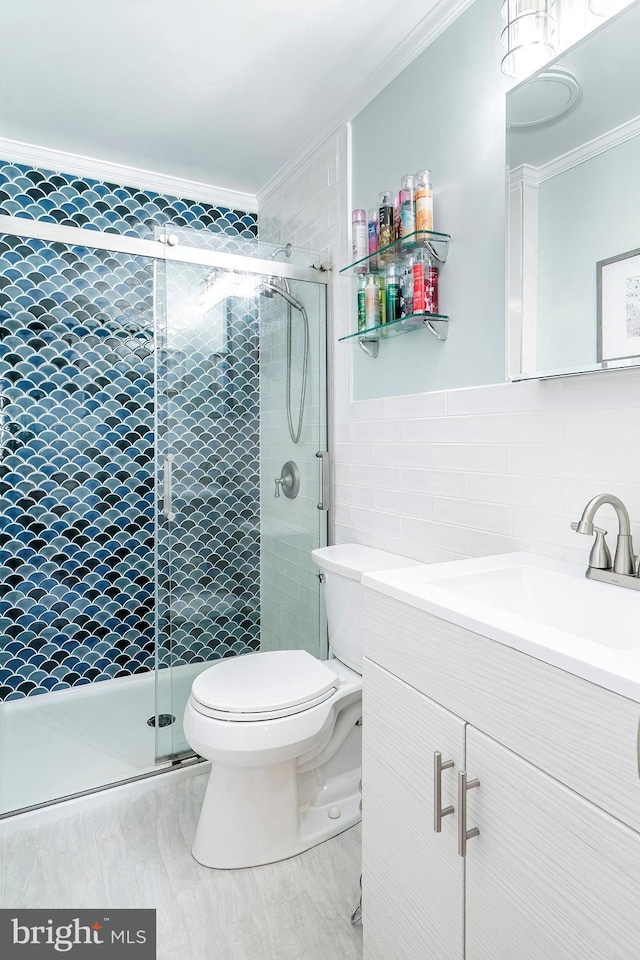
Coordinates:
222	93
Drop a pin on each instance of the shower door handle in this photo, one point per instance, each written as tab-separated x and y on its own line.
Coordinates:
323	456
167	487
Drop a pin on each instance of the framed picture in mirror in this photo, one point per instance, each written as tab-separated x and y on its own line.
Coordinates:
618	292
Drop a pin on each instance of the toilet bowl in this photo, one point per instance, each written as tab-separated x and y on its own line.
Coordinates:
282	731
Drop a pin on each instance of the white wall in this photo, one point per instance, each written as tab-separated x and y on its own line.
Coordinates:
446	112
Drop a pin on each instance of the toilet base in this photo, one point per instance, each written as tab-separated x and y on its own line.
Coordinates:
253	816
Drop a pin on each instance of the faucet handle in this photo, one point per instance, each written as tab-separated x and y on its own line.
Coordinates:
600	557
596	530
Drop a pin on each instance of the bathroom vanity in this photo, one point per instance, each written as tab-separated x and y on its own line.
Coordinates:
542	727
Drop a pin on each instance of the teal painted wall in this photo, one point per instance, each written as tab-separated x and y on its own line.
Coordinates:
445	112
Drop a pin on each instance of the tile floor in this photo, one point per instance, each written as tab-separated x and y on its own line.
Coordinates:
136	852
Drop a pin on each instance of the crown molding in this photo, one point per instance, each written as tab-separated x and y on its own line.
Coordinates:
45	158
593	148
430	27
572	158
524	173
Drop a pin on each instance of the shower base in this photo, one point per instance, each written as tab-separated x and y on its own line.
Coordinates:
58	744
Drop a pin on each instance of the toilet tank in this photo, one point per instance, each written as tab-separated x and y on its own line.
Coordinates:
343	566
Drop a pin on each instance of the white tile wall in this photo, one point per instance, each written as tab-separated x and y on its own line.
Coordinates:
438	476
290	602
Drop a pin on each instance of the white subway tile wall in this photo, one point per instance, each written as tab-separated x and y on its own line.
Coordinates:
467	472
290	601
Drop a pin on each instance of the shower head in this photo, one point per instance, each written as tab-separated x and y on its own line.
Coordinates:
287	250
271	286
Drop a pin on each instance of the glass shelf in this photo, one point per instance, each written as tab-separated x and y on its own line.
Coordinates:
436	323
436	243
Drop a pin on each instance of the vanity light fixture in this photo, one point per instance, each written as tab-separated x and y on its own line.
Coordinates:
527	37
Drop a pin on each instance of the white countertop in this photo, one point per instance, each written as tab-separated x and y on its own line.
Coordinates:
542	607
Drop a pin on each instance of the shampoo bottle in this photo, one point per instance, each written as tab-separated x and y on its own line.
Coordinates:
372	300
408	205
392	293
372	224
406	292
385	221
362	311
419	269
359	237
424	201
431	285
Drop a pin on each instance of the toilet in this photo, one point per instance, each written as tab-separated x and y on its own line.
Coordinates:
282	730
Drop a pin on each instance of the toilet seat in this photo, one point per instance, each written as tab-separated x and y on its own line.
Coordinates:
263	686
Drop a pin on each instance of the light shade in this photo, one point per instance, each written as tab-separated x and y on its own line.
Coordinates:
527	37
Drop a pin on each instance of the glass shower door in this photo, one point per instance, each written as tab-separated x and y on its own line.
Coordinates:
293	401
234	573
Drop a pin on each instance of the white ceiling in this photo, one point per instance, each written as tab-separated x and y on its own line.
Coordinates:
222	92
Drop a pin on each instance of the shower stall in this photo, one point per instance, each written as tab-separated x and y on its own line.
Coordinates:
163	481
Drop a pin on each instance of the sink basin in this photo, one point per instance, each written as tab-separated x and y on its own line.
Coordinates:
545	608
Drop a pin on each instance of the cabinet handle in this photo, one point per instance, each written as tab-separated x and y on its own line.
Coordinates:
438	812
464	784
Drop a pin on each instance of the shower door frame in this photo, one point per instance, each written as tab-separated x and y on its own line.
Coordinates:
166	247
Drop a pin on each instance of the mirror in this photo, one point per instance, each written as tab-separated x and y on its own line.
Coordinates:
573	156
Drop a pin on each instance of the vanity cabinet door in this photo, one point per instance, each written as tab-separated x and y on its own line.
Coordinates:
550	876
413	893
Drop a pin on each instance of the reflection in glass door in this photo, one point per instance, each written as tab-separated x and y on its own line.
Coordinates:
219	372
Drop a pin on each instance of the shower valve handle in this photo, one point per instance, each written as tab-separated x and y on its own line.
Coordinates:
288	481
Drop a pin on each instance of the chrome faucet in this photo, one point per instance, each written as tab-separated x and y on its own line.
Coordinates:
624	571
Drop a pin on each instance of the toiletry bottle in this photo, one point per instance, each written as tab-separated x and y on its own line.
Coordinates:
373	231
382	290
407	286
408	205
419	267
392	293
362	312
359	237
372	300
431	285
424	201
397	216
385	222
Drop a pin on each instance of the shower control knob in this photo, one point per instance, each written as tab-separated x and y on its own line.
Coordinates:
172	240
288	481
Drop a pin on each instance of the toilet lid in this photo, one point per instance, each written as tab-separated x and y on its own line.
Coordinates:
263	682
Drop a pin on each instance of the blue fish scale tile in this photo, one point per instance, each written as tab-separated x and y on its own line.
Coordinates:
211	444
77	479
84	202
